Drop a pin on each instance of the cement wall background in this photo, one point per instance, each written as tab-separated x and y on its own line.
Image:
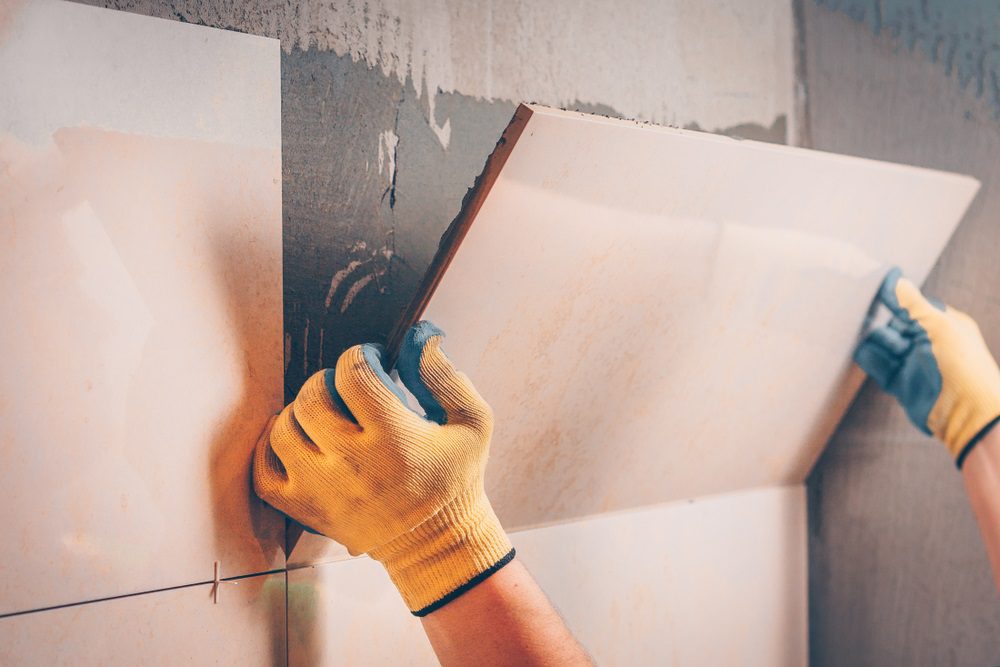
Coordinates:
898	573
390	108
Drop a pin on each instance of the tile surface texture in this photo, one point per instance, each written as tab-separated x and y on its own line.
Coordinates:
181	626
719	580
141	258
656	314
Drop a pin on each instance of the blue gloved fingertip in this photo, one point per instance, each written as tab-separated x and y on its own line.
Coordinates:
420	333
887	291
408	368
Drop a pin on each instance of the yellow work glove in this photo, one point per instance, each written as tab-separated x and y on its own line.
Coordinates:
350	460
934	360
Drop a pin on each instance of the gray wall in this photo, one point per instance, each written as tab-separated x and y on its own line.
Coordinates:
898	574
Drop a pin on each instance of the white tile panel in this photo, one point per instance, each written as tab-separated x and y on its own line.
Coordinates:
140	264
656	314
349	614
715	581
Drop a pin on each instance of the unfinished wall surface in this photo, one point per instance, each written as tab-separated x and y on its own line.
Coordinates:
389	110
898	572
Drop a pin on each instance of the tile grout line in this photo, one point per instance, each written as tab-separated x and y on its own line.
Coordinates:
109	598
288	650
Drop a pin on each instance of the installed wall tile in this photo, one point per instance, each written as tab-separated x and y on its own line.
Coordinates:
716	581
349	614
140	264
181	626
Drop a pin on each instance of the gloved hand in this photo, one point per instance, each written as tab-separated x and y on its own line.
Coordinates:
350	460
934	360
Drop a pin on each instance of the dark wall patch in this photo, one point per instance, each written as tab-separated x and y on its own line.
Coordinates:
358	240
777	133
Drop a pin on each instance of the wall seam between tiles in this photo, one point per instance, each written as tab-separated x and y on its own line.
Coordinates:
287	626
153	591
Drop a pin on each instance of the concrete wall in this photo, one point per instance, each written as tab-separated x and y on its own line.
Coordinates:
898	572
389	110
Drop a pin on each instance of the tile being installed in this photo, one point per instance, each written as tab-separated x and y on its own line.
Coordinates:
720	580
140	257
656	314
181	626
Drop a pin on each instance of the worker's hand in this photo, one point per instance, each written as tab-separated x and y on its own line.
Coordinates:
934	360
350	460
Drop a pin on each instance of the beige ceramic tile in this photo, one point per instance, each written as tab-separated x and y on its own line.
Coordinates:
717	581
349	614
181	626
657	314
141	272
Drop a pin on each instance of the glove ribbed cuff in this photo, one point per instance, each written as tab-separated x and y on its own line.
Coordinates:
968	420
449	553
964	452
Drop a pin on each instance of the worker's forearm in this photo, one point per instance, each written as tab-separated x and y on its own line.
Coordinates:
934	359
505	620
982	480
